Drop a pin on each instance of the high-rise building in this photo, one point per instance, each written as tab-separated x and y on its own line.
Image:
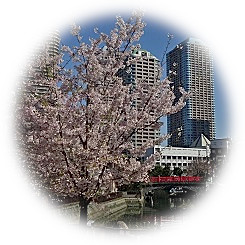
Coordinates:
53	44
50	48
146	68
190	65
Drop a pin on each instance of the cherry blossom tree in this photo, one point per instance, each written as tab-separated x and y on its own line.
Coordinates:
202	168
76	138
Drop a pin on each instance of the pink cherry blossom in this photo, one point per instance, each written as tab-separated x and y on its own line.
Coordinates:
76	138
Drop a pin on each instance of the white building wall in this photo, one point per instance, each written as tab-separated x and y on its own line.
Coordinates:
180	157
145	67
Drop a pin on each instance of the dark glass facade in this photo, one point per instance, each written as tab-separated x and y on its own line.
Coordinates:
190	65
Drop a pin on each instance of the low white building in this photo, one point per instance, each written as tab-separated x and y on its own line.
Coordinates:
182	157
178	156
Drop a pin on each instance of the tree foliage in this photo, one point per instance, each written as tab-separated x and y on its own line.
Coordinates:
76	138
177	171
201	168
161	171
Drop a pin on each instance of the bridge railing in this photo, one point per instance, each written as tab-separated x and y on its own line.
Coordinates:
160	179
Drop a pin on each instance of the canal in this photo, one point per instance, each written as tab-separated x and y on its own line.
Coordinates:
158	211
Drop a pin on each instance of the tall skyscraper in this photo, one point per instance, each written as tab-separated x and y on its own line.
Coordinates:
52	47
190	65
146	68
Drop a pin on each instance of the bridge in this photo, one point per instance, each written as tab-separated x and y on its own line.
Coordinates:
193	183
176	179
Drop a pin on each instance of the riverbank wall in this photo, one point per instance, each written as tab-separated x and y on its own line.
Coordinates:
97	211
103	210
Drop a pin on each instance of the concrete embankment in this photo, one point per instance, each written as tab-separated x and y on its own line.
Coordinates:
98	211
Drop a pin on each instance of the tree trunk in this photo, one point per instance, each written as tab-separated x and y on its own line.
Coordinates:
83	203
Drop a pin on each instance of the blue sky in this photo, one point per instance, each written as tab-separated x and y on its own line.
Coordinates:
155	41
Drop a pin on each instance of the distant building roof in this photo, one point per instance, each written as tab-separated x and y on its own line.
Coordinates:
221	143
143	53
201	142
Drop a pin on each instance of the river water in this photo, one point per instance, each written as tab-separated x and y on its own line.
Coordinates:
159	212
